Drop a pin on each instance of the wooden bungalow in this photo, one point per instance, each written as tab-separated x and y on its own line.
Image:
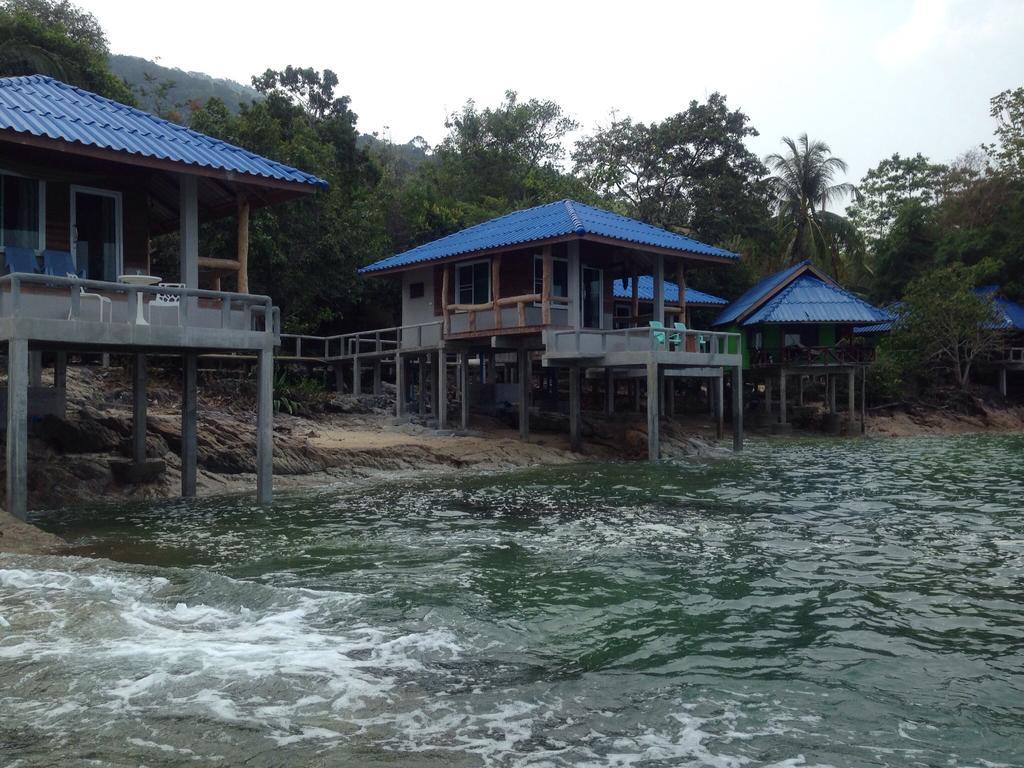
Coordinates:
85	183
539	284
798	323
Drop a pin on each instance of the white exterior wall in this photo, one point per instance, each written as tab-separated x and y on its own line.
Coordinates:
416	311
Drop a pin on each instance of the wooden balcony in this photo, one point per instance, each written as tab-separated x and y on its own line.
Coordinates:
813	357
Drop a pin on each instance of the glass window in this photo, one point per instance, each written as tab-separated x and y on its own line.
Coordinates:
474	283
19	202
559	276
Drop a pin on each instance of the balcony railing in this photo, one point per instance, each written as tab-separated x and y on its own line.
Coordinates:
594	342
381	342
25	296
813	356
505	313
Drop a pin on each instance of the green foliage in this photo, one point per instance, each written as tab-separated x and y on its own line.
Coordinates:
691	172
1008	112
905	251
56	38
298	395
886	187
943	321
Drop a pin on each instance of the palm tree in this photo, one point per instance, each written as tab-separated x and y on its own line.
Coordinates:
803	184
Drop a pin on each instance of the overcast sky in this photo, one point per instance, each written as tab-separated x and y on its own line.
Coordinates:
870	78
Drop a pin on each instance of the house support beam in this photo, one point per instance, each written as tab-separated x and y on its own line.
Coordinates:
863	401
189	449
464	390
659	288
17	428
524	393
782	397
737	408
357	377
851	401
719	397
400	386
139	409
575	409
442	389
243	244
1002	382
188	230
60	371
265	428
609	392
653	412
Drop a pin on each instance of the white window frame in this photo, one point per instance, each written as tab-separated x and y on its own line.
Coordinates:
118	224
458	279
41	243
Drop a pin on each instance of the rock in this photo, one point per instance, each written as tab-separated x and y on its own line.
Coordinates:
352	404
81	435
128	472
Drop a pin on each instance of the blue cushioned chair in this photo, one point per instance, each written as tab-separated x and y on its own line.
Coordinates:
61	264
18	259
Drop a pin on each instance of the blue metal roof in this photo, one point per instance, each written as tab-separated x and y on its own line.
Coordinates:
809	299
753	295
1011	314
623	289
44	107
563	218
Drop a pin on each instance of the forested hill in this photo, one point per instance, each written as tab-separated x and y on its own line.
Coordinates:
163	89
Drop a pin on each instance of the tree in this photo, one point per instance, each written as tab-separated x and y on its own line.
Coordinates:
1008	112
942	319
890	184
802	187
56	38
905	251
691	172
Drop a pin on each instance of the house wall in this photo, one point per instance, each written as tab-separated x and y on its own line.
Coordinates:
427	308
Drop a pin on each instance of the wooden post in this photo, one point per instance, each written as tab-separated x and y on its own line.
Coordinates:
464	389
609	392
525	376
782	396
265	427
17	428
575	409
446	287
635	297
442	389
720	405
139	409
681	283
659	288
653	414
496	288
737	408
189	407
243	244
400	386
851	402
546	283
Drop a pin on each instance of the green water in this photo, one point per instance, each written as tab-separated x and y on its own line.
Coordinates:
811	603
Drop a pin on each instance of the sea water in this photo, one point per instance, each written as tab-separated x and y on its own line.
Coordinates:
840	603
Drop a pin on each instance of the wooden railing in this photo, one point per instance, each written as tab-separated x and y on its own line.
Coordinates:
381	342
811	356
519	302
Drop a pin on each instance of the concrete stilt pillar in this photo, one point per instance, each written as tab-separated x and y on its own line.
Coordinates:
863	401
265	428
719	397
35	368
17	428
653	413
525	377
609	392
737	408
768	395
378	379
357	376
400	386
442	389
800	390
188	424
1002	382
60	371
831	387
851	402
339	378
575	409
782	397
661	390
464	390
139	408
421	380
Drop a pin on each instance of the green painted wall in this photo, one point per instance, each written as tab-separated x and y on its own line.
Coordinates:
826	335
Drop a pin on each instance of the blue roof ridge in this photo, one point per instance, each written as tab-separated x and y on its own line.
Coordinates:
577	224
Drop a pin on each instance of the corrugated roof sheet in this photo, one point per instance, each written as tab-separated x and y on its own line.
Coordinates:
42	106
1011	314
756	293
543	222
808	299
623	289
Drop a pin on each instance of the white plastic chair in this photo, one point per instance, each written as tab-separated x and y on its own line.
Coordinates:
103	300
170	300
